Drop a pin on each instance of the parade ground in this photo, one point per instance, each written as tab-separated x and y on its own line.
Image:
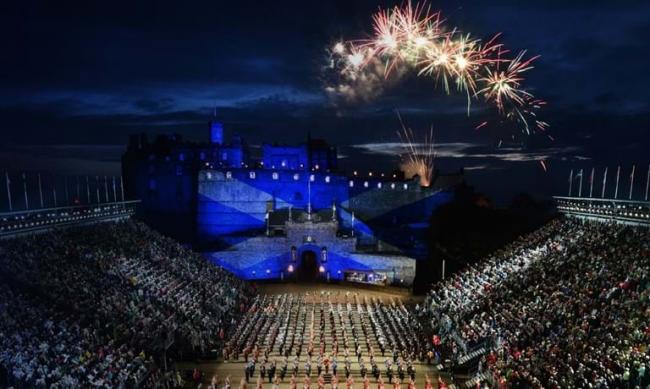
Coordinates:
312	296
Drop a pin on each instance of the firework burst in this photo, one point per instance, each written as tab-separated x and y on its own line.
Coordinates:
418	158
415	38
504	86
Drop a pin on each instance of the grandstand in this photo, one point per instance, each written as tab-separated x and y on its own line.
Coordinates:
115	303
107	304
563	307
622	211
43	219
93	296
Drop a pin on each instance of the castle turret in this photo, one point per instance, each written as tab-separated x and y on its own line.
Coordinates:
216	133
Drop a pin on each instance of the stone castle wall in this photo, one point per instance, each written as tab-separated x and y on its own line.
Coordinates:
236	201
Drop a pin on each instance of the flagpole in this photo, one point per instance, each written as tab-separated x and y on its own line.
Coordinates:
25	191
353	223
631	182
97	188
40	190
309	197
618	174
87	191
67	194
647	183
122	187
11	206
602	195
106	187
570	182
54	192
591	184
114	191
580	188
78	193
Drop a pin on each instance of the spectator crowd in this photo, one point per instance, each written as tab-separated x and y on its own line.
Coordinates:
112	304
567	306
106	305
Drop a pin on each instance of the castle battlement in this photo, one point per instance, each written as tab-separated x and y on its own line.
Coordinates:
314	177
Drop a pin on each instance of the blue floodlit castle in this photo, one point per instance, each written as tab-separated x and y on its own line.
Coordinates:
288	212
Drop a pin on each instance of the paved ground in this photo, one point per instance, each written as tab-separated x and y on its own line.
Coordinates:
366	290
312	293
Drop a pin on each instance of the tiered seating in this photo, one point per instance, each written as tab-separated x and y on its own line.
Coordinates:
34	333
450	302
131	288
568	309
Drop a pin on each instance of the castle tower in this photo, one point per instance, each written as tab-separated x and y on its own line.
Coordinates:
216	133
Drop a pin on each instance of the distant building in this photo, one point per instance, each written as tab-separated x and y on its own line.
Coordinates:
315	155
262	215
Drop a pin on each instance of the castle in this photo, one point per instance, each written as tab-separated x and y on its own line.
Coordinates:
289	212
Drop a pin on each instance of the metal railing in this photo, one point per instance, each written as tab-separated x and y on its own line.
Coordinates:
624	211
27	221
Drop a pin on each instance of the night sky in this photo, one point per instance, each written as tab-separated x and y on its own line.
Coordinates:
77	79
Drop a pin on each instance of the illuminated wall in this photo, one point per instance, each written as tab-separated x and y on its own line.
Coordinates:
264	257
285	157
236	201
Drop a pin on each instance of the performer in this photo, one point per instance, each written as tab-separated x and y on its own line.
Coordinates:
242	384
227	383
276	383
441	383
214	382
326	362
321	381
292	382
397	384
308	366
271	371
306	382
411	384
335	381
366	383
427	382
380	383
260	383
349	382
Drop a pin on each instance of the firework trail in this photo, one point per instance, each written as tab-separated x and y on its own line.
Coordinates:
418	157
415	39
543	163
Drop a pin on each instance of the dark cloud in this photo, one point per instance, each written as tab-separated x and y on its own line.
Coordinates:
150	105
94	72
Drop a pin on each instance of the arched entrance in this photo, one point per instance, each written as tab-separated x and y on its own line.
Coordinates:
308	269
